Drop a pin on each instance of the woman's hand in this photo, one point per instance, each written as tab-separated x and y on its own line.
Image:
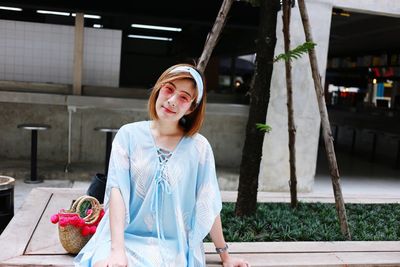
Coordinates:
234	262
117	258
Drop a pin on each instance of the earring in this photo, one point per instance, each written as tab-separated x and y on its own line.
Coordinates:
183	120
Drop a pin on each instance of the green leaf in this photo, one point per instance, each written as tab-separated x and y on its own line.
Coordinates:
263	127
296	53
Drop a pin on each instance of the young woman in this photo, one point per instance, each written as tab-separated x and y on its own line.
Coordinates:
162	196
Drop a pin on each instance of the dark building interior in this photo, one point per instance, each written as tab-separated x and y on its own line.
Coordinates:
352	35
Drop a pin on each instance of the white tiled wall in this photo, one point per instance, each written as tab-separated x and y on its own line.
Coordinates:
36	52
102	55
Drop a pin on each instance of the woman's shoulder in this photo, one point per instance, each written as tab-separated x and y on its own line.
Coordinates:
132	131
198	137
133	126
200	142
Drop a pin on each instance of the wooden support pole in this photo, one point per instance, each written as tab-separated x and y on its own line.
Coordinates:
212	37
286	4
326	129
78	54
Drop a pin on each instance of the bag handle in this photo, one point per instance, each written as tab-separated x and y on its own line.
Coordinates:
95	206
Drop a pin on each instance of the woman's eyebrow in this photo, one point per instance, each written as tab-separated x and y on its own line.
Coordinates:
171	83
183	91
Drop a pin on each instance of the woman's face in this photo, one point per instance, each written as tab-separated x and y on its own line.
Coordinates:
175	99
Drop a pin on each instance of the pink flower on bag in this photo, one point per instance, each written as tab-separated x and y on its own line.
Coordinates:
64	219
54	219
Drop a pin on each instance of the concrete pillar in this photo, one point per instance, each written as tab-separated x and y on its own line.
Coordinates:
274	169
78	54
382	7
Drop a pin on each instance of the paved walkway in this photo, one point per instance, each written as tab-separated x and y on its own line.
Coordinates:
359	176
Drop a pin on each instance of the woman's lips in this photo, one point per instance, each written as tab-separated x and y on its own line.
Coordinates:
168	110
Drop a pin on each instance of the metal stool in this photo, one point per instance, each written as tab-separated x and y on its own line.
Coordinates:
34	127
109	132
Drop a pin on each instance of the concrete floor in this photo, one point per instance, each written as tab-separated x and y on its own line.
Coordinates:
358	177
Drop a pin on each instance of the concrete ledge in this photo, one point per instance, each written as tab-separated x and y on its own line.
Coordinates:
231	196
55	88
343	253
32	98
114	103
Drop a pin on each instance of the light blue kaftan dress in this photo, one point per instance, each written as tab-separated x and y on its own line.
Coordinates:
171	200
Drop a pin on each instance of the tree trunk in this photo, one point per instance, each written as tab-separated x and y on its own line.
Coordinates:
326	129
213	36
259	99
289	89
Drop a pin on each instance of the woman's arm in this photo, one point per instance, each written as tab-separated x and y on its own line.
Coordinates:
117	219
117	225
218	238
219	242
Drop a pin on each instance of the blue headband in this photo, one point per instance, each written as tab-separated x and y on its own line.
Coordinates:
196	76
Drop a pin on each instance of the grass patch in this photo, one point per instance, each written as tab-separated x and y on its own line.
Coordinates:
311	222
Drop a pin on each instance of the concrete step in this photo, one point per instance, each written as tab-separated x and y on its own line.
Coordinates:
342	253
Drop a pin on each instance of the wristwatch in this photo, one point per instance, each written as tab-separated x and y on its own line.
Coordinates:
222	250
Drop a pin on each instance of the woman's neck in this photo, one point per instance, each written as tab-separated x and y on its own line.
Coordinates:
163	128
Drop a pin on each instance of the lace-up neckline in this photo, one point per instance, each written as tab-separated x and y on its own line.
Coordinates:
163	155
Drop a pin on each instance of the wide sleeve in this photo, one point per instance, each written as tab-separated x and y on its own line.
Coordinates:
118	177
118	170
208	197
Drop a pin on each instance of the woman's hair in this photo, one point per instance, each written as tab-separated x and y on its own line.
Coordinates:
192	122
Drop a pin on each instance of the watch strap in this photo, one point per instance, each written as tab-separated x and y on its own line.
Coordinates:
222	250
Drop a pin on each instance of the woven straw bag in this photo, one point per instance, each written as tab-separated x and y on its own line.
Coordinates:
70	236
